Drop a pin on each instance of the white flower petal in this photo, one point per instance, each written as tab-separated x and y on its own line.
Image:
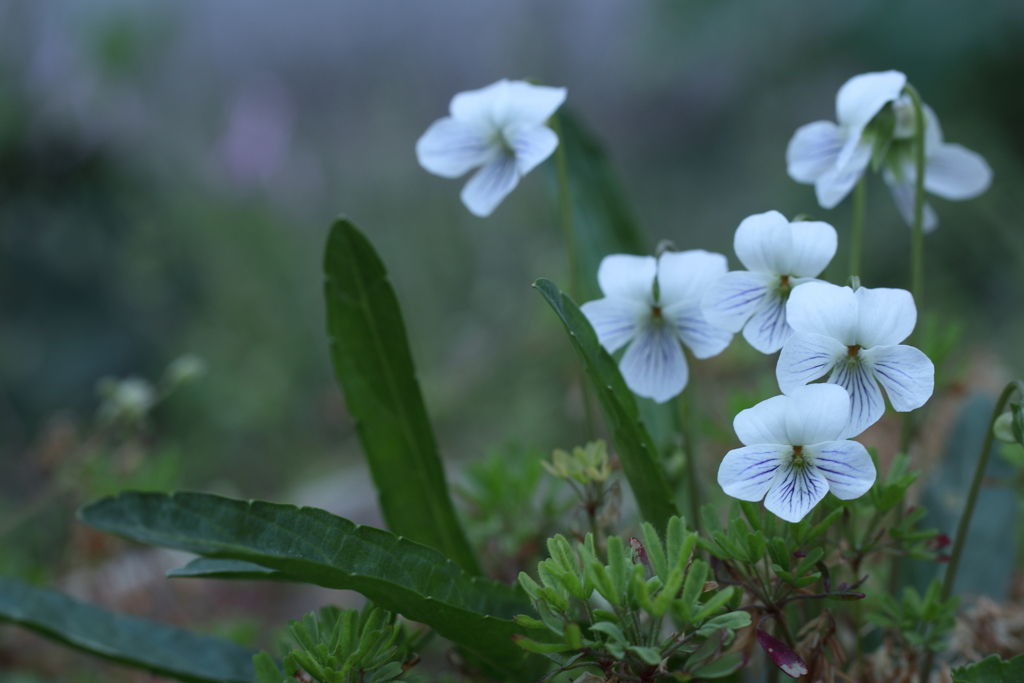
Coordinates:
764	423
734	297
628	276
654	365
795	491
684	276
860	99
526	104
490	185
833	185
903	195
906	373
864	95
805	358
615	320
701	337
955	172
450	148
747	473
532	146
885	316
477	107
813	149
816	413
823	308
768	330
814	245
866	403
845	464
763	243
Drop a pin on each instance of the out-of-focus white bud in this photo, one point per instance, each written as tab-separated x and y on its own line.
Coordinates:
129	399
185	369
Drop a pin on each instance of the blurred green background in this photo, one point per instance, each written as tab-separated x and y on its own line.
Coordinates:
168	172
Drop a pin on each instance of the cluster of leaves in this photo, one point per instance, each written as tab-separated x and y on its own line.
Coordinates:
923	622
345	646
641	587
513	508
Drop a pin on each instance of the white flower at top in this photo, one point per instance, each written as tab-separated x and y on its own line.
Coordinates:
856	336
951	171
499	129
779	256
652	305
794	453
834	156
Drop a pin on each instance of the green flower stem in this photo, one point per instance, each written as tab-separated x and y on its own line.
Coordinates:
1016	386
687	417
568	234
917	240
857	232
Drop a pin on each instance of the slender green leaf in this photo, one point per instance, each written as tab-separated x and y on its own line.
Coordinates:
633	444
375	368
317	547
207	568
156	647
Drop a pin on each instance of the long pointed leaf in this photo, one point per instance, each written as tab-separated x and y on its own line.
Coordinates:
314	546
156	647
632	442
375	368
207	568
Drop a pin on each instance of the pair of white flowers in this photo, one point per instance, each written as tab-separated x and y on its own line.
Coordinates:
876	119
796	446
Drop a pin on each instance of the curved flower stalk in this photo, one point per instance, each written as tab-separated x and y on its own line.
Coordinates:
834	156
779	256
795	452
856	336
499	129
951	171
653	305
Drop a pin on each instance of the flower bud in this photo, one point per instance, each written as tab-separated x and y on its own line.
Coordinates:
1003	428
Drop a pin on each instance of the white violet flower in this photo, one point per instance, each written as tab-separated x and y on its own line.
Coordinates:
499	129
856	336
794	453
833	157
653	305
779	256
951	171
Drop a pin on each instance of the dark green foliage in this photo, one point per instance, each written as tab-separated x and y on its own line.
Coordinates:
635	448
643	585
992	669
160	648
314	546
922	621
375	368
344	646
